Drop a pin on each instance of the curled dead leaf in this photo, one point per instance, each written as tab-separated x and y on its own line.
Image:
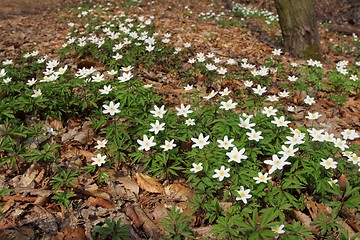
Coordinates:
148	183
129	184
101	202
178	192
56	123
27	179
342	182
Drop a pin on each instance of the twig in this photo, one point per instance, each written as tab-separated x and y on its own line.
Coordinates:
18	198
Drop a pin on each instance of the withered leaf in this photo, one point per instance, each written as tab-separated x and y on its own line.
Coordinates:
148	183
178	192
129	184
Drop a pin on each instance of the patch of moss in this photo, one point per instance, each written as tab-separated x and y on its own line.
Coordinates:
313	52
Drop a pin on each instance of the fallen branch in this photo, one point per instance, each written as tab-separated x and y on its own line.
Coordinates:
140	218
345	29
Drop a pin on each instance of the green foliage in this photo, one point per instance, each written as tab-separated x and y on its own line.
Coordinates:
229	22
121	43
63	198
326	224
177	225
111	229
245	224
64	179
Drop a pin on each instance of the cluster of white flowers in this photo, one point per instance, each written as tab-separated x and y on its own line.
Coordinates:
99	159
247	11
135	34
211	15
211	65
314	63
341	67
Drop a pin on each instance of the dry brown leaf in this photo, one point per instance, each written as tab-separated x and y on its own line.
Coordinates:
7	206
160	212
342	182
225	205
70	134
148	183
178	192
91	188
70	233
32	191
204	232
88	155
69	152
55	123
40	176
315	208
130	212
27	179
39	216
305	220
94	191
82	134
101	202
129	184
86	134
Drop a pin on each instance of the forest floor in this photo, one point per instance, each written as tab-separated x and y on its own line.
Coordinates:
25	25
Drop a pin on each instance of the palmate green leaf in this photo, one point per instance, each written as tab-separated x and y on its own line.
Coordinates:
289	183
243	226
293	200
254	219
296	230
353	202
7	113
267	216
355	236
267	234
223	227
254	236
349	190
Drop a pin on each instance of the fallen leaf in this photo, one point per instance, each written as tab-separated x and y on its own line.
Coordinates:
160	212
32	191
148	183
204	232
98	201
70	233
129	184
27	179
86	134
7	205
306	221
130	212
82	134
55	123
342	182
178	192
40	217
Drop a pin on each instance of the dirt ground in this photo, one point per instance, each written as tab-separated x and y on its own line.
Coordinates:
14	8
28	24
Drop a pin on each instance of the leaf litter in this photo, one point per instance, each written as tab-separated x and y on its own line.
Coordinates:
123	198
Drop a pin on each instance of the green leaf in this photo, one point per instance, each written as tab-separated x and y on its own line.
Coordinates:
353	202
267	216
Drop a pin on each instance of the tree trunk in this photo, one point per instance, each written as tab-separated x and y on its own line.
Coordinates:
354	12
299	28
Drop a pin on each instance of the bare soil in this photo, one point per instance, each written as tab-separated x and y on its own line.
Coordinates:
14	8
